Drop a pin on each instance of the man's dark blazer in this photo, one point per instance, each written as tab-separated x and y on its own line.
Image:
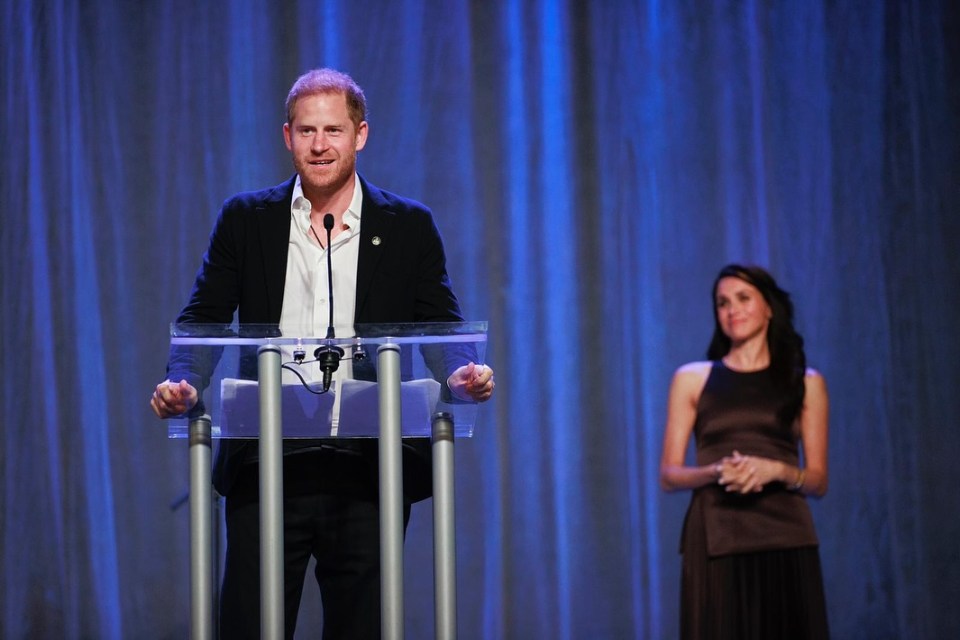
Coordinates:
401	277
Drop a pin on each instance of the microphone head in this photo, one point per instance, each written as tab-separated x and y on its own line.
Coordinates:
328	221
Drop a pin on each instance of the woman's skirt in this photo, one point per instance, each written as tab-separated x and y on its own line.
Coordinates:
762	595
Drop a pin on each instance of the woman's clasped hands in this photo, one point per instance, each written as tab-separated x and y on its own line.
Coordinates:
738	473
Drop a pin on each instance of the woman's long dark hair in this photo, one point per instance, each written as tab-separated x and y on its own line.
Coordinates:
788	362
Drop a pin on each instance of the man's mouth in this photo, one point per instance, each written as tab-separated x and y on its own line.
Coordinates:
321	163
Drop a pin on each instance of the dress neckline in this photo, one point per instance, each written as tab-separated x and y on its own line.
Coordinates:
741	371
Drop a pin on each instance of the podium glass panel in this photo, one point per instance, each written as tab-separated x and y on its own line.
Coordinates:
223	359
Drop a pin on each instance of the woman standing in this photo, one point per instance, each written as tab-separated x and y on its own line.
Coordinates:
751	568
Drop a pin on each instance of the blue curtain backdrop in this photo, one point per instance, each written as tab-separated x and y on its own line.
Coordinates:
591	165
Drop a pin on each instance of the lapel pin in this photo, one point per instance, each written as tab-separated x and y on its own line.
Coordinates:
376	241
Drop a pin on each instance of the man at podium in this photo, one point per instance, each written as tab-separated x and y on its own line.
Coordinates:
267	252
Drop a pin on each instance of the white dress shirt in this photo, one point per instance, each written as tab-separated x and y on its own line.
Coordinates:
306	310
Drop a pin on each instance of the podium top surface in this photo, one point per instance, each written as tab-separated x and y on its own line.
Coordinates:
391	333
222	362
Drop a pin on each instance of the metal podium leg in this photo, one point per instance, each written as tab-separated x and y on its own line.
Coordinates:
391	493
201	527
444	543
271	495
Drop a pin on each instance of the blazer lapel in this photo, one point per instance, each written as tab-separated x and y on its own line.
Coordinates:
273	226
376	222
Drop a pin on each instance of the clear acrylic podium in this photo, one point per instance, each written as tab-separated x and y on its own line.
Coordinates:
390	384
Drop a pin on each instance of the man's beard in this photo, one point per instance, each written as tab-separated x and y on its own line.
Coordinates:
328	181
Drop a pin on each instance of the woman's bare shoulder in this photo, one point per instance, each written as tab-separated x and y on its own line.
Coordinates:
689	380
812	373
699	369
692	376
815	382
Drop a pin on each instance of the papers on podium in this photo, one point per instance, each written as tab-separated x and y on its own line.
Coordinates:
350	409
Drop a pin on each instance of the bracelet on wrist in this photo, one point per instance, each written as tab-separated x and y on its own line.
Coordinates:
798	483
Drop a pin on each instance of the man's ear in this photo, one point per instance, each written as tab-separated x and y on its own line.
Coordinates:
362	130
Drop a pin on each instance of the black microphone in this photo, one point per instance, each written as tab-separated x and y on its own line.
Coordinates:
328	355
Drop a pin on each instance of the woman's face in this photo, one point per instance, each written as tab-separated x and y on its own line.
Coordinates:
742	312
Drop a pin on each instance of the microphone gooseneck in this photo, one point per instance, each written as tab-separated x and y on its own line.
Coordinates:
328	226
328	355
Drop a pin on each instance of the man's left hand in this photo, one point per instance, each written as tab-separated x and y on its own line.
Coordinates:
472	382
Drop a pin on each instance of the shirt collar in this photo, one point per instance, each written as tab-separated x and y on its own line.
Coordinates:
300	207
351	217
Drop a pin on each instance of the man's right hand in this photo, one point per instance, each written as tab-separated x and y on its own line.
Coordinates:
173	398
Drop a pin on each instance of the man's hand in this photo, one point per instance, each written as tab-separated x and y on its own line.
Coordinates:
173	398
472	382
